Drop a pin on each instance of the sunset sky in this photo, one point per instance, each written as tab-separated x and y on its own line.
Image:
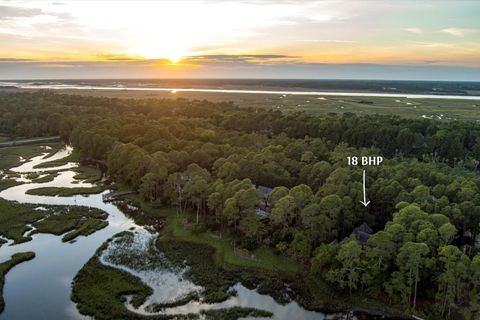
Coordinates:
437	40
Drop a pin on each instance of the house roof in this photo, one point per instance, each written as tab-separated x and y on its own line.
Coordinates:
362	233
261	213
264	191
363	228
362	237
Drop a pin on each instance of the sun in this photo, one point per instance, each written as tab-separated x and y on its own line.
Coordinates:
153	51
174	58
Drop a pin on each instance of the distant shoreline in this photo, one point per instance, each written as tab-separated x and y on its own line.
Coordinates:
60	86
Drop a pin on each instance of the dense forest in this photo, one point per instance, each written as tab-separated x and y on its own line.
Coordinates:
282	180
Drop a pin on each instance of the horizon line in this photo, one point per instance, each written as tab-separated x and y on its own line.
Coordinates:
237	78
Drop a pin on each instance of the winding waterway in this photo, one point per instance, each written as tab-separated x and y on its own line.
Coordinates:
40	288
213	90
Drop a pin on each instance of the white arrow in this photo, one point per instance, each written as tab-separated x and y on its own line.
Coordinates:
364	202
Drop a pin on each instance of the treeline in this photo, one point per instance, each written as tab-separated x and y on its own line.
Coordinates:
45	113
429	140
282	180
454	142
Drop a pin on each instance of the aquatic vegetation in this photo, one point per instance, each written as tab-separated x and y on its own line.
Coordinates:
102	291
99	290
78	220
64	192
8	183
88	174
214	280
137	278
135	252
48	177
159	307
15	218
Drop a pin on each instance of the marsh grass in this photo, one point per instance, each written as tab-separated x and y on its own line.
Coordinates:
8	183
77	221
88	174
48	177
318	105
64	192
99	291
15	218
10	156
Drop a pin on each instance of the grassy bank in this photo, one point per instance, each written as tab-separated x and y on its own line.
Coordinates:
9	264
98	291
8	183
64	192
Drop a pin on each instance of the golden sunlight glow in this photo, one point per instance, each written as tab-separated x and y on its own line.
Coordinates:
151	51
211	38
